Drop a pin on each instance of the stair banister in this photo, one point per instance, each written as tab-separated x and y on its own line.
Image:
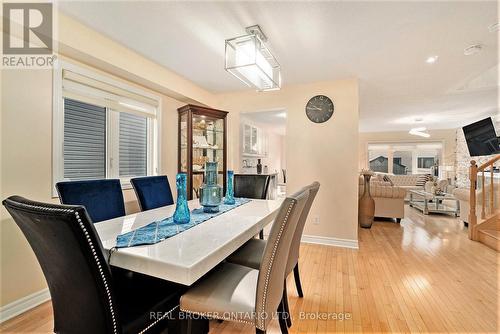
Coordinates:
472	199
492	202
474	170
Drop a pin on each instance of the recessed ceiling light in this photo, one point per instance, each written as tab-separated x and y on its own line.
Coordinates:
494	27
473	49
431	59
419	119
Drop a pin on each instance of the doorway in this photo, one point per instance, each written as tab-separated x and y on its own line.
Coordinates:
262	147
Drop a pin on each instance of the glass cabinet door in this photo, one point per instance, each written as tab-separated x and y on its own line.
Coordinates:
202	139
208	146
184	143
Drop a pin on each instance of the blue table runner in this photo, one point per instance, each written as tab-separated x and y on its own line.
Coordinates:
162	229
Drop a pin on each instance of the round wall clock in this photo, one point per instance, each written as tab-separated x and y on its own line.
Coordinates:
319	109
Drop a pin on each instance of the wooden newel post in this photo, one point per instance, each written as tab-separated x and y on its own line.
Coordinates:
472	200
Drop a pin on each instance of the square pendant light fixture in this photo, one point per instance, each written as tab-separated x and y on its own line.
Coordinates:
248	59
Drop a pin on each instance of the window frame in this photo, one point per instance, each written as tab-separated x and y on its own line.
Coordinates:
423	161
390	146
112	126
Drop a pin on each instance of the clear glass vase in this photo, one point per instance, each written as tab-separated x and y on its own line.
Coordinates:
229	199
181	214
210	192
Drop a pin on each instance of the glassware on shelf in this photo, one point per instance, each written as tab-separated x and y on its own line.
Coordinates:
211	192
202	138
181	214
229	199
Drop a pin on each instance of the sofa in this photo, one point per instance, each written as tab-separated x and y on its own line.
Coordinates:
389	200
407	182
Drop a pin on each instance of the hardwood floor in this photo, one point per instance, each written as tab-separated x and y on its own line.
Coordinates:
424	275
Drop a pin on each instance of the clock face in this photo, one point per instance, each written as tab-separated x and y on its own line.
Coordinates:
319	109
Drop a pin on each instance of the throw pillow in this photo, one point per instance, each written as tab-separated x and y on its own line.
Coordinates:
388	179
422	179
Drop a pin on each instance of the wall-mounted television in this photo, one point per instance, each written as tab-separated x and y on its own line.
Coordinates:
481	138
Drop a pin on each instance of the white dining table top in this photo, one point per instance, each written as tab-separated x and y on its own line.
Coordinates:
189	255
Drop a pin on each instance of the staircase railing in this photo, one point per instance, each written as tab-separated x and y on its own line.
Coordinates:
490	203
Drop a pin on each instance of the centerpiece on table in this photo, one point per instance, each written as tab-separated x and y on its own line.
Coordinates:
211	193
181	214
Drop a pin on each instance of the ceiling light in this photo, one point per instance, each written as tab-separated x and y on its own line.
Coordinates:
494	27
419	132
419	120
431	59
248	59
281	114
473	49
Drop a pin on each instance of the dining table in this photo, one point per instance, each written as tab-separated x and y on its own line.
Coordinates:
187	256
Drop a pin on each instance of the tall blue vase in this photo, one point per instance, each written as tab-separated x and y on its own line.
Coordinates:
181	215
210	192
229	199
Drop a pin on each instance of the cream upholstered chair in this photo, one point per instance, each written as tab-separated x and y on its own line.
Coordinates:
237	293
250	254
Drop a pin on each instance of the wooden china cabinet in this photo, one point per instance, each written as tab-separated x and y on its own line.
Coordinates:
202	138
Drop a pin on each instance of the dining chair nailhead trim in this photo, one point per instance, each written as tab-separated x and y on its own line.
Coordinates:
219	318
260	324
87	236
157	321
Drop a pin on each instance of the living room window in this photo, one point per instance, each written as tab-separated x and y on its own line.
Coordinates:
102	128
426	162
404	158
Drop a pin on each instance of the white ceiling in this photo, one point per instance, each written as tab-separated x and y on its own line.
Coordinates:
384	44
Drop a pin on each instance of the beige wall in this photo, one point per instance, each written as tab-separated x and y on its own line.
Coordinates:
273	160
324	152
26	170
448	137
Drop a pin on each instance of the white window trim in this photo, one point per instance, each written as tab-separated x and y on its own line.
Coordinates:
154	125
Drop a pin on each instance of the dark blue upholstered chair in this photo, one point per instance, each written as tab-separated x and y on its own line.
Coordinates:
103	199
152	191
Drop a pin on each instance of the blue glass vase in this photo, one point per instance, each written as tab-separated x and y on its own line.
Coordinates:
210	192
181	214
229	199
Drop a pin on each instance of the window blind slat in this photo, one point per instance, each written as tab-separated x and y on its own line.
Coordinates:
133	145
84	141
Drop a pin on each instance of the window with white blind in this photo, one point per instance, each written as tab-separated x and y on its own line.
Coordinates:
102	128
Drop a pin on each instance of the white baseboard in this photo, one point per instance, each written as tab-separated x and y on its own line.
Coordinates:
23	304
337	242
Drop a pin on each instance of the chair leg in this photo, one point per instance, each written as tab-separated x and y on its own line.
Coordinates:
281	319
286	308
189	325
296	275
261	235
